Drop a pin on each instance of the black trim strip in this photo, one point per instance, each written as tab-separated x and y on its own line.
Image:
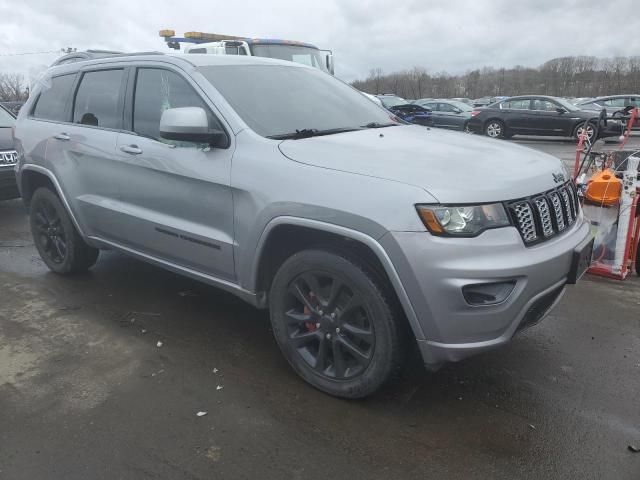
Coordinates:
188	239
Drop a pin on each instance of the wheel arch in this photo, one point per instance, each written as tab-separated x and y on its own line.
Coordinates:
33	177
284	236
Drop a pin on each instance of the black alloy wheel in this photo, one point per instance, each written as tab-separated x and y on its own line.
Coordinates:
336	323
329	325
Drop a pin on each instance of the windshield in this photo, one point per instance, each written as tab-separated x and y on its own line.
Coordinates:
6	119
566	104
392	101
277	100
293	53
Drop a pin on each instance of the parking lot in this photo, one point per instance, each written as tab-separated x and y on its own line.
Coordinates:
102	376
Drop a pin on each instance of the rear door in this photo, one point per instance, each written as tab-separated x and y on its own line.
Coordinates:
81	149
175	198
514	113
435	114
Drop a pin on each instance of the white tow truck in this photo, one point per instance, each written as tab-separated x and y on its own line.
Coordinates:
218	44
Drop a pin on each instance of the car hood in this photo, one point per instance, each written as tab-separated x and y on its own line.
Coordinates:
6	139
453	167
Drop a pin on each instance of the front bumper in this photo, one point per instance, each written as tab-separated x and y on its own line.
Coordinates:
8	184
434	269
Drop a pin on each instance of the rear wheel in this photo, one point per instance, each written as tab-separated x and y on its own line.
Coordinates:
494	129
55	237
334	323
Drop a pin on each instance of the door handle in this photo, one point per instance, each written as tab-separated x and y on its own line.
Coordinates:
131	149
62	136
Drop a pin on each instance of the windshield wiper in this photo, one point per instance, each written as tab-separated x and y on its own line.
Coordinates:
379	125
311	132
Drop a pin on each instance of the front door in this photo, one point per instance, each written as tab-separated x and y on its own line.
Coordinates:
175	198
546	119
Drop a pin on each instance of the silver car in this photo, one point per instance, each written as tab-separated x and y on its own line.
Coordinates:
288	188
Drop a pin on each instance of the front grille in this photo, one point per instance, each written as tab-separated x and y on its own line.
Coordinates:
8	158
541	217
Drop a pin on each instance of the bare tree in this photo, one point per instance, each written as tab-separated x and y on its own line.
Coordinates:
13	87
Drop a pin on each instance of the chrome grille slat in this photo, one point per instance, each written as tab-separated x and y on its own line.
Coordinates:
545	216
557	208
567	205
542	217
526	222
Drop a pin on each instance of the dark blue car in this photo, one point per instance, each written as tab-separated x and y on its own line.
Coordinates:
408	112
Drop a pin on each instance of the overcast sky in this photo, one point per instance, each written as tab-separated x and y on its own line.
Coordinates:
454	35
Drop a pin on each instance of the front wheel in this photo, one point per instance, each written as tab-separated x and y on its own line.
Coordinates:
494	129
334	323
590	130
55	237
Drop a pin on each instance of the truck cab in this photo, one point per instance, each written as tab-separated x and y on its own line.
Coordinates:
218	44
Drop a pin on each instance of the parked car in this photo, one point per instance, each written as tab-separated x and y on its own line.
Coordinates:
485	101
537	115
288	188
448	113
466	100
409	112
8	156
612	104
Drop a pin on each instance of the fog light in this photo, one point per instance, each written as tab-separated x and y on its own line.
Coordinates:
488	293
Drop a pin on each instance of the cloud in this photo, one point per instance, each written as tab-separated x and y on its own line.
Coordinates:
456	36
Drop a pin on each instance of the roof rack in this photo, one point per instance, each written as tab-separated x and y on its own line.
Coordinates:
87	55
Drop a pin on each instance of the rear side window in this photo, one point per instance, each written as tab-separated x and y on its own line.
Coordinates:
52	102
157	90
96	101
522	104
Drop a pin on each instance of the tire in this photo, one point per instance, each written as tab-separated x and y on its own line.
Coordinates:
578	130
335	323
494	129
57	240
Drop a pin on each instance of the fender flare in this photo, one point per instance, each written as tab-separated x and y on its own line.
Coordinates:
49	174
355	235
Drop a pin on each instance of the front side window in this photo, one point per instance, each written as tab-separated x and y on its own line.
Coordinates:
96	103
156	91
52	102
544	105
277	99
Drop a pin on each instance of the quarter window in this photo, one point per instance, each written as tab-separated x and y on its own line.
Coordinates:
52	102
96	101
158	90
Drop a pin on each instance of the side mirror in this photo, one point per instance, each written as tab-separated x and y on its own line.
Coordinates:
329	60
190	124
457	111
560	110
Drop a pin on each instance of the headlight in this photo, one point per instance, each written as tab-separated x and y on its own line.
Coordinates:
463	221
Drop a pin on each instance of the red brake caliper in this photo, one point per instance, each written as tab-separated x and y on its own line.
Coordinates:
311	326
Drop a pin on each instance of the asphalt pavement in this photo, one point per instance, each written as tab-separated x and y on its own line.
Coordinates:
102	376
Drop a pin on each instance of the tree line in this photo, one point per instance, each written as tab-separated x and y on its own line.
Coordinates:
581	76
13	87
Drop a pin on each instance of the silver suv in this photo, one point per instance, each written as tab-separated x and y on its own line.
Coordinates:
285	186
